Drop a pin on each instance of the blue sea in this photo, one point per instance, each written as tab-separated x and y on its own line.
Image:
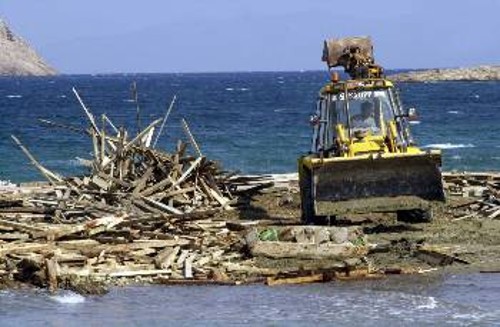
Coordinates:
254	123
251	122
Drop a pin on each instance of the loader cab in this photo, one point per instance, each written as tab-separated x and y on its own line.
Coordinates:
359	115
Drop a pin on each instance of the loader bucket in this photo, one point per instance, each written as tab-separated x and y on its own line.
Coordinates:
334	49
381	184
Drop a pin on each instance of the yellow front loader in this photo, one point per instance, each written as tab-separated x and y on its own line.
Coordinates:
363	157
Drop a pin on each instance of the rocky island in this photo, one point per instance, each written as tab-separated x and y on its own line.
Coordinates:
479	73
18	58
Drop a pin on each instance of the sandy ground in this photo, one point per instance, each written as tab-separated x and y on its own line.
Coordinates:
467	245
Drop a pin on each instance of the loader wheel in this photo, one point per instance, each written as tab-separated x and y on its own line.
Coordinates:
309	216
415	215
306	200
324	220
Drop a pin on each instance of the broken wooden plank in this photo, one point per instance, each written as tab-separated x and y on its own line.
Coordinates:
51	272
14	248
162	206
164	121
166	257
50	176
89	115
188	267
274	281
22	227
135	273
14	236
195	145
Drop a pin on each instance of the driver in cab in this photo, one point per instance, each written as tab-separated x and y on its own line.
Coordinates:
366	120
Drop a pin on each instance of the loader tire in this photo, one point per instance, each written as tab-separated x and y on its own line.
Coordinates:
306	200
415	215
324	220
309	216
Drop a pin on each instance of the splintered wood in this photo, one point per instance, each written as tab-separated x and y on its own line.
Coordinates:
483	188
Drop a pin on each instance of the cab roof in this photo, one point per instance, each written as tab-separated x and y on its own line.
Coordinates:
356	85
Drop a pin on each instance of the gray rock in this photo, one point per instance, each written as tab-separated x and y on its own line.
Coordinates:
18	58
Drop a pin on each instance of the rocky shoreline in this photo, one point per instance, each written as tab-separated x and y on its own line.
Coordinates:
479	73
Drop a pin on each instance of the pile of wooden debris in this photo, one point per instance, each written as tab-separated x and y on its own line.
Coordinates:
139	212
483	188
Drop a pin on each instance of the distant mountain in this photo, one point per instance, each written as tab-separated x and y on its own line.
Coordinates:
479	73
18	58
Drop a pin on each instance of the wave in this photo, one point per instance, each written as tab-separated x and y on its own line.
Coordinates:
77	162
429	303
14	96
454	112
6	184
68	298
415	122
449	146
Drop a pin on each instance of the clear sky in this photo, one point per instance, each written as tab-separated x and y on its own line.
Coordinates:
102	36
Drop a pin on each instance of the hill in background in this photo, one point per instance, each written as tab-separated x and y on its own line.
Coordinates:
18	58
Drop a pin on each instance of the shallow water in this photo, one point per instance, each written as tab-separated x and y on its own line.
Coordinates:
454	300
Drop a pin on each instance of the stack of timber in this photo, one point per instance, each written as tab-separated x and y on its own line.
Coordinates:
483	190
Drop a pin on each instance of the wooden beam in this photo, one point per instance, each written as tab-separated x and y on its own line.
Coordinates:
185	126
50	176
164	121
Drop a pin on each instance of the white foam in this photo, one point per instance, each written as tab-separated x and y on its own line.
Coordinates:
244	89
456	157
68	298
414	122
229	89
7	186
449	146
128	100
14	96
430	303
453	112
